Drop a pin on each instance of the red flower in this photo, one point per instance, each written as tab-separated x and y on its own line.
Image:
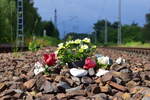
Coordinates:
89	63
50	59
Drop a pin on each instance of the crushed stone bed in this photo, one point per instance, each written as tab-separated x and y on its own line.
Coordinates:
130	80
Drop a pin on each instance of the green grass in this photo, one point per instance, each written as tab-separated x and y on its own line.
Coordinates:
44	41
47	41
136	44
128	44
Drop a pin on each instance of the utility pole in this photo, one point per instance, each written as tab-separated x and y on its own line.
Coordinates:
106	33
95	37
20	24
55	18
119	23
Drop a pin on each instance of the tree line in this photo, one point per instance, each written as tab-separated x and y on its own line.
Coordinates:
33	24
130	33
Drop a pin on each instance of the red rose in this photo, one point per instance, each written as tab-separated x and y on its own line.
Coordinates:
50	59
89	63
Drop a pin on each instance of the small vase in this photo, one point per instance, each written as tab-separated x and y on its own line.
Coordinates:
76	64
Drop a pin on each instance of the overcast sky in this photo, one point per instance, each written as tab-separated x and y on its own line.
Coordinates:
80	15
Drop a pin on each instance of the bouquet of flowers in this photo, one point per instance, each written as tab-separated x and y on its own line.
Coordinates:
74	51
71	52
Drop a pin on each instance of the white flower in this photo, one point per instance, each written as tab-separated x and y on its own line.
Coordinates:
69	42
38	67
86	40
78	41
83	47
60	46
56	52
120	60
103	60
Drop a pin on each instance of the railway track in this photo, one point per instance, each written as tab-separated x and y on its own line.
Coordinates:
141	51
10	48
135	50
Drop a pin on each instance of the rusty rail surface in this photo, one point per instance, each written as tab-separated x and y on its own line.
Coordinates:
143	51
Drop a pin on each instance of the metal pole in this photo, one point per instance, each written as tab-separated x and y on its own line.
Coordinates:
106	33
119	23
55	18
20	24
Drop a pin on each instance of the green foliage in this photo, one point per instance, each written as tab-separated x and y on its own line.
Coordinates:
148	18
15	49
103	66
50	28
7	20
50	69
33	46
99	28
77	50
42	41
32	20
47	41
136	44
130	33
146	29
74	36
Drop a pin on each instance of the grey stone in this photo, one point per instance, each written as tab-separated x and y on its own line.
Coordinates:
147	67
29	97
86	80
76	80
91	72
100	96
125	70
118	80
74	89
48	88
18	90
142	90
146	98
93	89
107	77
63	85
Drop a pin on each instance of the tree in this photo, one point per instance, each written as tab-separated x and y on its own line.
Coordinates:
50	28
7	19
131	33
32	19
73	36
146	29
99	28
